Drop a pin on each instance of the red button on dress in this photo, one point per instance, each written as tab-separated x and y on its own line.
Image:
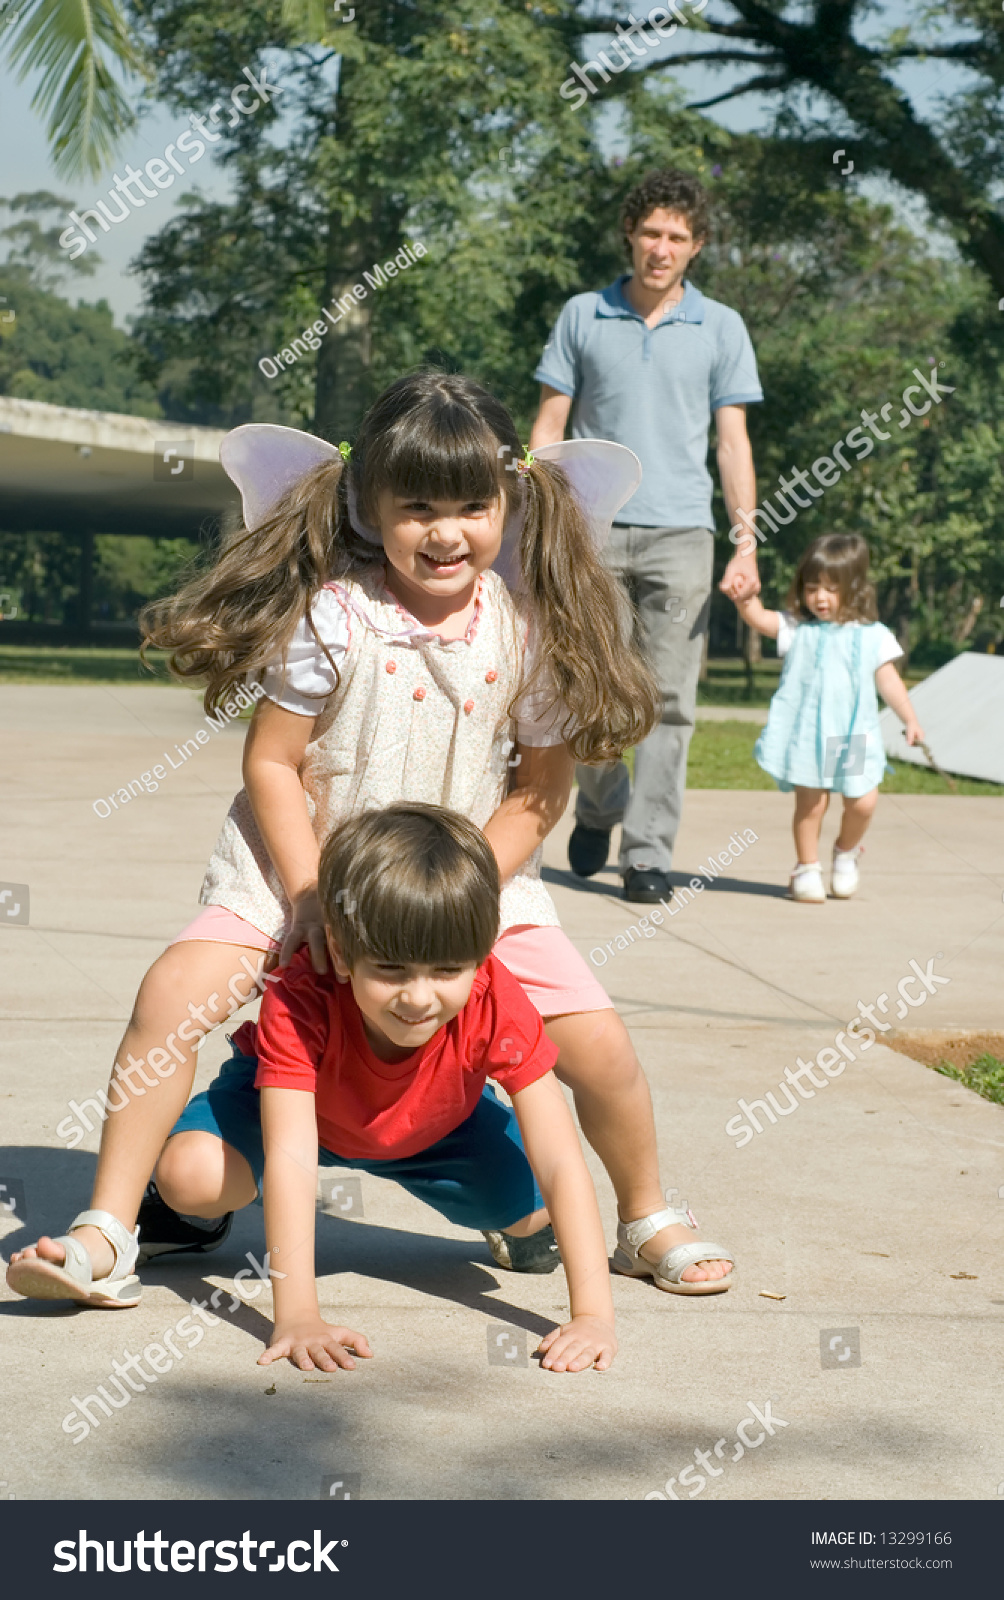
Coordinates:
491	675
391	666
419	693
468	706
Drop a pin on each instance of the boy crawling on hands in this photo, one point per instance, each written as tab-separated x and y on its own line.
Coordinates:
380	1064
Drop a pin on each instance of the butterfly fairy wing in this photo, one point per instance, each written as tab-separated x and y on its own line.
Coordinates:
265	460
603	477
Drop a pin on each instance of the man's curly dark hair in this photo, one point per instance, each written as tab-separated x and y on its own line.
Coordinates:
668	190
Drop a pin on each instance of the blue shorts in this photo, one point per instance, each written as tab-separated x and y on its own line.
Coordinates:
477	1177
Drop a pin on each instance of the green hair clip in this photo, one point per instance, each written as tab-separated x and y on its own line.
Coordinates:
345	451
527	461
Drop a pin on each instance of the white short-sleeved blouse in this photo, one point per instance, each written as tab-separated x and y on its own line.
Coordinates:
888	646
309	676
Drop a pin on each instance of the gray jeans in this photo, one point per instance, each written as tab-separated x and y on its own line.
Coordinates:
666	574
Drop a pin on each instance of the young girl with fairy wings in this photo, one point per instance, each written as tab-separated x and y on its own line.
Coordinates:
395	661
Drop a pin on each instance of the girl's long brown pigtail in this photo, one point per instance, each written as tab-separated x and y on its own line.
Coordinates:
233	617
584	625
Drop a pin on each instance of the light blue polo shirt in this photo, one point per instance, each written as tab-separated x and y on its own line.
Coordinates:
654	390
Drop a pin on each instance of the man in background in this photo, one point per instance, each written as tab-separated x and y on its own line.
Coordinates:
647	362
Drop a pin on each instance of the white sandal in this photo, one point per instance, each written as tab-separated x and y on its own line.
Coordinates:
668	1271
72	1279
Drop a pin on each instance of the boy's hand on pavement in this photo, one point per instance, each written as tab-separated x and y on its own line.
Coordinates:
312	1343
583	1342
307	927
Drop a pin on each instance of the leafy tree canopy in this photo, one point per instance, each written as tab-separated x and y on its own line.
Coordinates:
443	122
794	50
66	355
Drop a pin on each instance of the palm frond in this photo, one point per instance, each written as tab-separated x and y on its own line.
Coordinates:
74	45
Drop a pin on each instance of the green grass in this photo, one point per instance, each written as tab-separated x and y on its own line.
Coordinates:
726	684
25	663
721	757
985	1077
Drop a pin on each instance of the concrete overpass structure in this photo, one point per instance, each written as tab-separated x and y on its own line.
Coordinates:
87	472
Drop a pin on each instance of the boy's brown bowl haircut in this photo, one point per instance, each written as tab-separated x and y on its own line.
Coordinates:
410	883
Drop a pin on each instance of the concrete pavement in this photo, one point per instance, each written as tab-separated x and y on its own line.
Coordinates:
871	1211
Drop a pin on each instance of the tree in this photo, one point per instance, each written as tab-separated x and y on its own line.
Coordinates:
52	351
69	356
780	49
841	301
35	247
392	151
390	48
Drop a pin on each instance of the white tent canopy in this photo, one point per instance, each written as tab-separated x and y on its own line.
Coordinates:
961	709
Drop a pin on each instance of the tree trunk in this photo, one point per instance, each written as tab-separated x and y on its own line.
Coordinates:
969	622
752	655
903	637
343	361
85	587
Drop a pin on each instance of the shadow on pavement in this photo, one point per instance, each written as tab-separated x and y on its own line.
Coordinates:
610	885
442	1268
56	1183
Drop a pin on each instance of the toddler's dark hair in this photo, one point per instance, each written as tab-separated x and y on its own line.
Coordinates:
411	882
840	559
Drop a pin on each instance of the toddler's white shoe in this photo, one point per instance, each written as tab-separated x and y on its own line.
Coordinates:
846	876
807	883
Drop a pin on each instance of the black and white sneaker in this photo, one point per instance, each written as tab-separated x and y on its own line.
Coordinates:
163	1232
537	1253
588	849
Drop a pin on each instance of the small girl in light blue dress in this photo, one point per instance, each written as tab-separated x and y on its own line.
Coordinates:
822	732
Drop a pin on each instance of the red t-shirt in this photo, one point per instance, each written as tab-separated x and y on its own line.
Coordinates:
310	1035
